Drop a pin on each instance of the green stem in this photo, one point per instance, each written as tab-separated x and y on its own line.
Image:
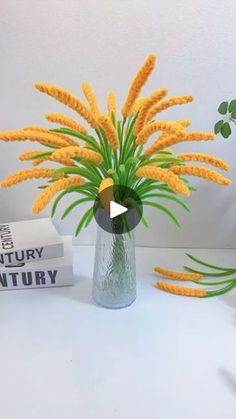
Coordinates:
204	263
220	291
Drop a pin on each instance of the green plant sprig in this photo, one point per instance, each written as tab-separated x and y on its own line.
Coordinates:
223	126
220	272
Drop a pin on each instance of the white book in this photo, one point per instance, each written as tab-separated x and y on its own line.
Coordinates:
40	274
29	241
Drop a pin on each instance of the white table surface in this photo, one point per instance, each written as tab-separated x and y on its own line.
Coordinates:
164	357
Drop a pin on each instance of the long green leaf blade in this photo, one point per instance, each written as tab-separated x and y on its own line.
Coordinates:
209	274
209	265
83	220
165	210
73	205
170	197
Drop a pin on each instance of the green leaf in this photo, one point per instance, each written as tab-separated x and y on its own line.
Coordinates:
233	115
164	209
218	126
144	221
90	217
43	154
83	220
225	130
170	197
58	199
223	273
221	291
75	204
232	106
209	265
223	108
213	283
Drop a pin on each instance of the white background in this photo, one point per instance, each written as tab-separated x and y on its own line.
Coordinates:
104	42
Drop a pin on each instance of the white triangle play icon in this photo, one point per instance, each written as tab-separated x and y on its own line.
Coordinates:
116	209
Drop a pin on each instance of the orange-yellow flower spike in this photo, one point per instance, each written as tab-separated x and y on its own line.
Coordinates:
106	183
27	174
59	118
180	276
28	155
49	192
165	104
164	175
178	290
111	103
162	142
138	83
39	136
107	196
69	99
83	152
184	122
65	162
198	136
36	128
64	137
202	172
149	129
31	155
204	158
149	103
137	106
91	98
109	130
165	141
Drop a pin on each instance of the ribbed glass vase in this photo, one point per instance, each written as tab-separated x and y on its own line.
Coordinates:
114	278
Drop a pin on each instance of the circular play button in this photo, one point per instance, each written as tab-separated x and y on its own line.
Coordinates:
118	209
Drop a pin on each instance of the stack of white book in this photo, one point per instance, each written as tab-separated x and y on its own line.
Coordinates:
32	255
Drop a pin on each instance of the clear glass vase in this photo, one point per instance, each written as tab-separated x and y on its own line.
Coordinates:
114	278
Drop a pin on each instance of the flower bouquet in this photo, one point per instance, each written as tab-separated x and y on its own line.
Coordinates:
114	153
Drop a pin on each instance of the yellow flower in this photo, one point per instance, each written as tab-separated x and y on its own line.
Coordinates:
149	129
202	172
85	153
91	98
68	99
164	175
149	103
41	137
61	119
27	174
204	158
176	289
64	137
138	83
184	122
29	155
162	142
181	276
48	193
165	104
111	103
109	130
198	136
137	106
165	141
65	162
107	196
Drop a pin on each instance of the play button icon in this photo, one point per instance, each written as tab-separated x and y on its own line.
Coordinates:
118	209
